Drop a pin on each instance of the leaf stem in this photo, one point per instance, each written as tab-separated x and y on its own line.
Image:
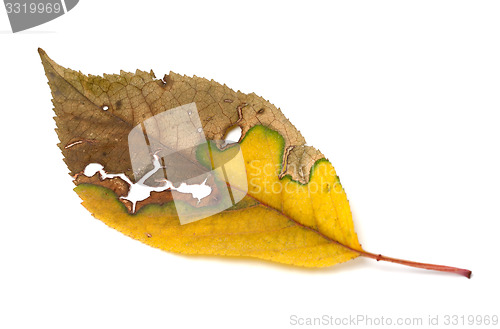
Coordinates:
433	267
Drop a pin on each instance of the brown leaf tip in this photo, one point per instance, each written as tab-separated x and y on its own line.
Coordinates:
42	53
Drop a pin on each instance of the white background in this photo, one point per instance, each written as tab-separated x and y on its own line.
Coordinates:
402	97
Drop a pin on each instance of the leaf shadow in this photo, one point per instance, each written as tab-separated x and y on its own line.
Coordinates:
351	265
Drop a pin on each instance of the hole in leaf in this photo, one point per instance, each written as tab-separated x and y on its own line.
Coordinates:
139	191
105	108
233	134
92	169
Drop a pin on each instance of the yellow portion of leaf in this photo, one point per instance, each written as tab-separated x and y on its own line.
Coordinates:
279	220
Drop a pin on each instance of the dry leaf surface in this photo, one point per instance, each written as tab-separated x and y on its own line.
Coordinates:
295	211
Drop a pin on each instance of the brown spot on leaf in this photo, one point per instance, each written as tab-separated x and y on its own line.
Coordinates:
156	198
116	184
168	196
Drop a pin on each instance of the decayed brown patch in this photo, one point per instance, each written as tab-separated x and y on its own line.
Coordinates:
116	184
90	134
155	198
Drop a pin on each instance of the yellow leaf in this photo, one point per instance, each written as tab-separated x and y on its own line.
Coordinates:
290	206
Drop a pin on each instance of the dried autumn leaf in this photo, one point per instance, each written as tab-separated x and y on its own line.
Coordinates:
294	212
